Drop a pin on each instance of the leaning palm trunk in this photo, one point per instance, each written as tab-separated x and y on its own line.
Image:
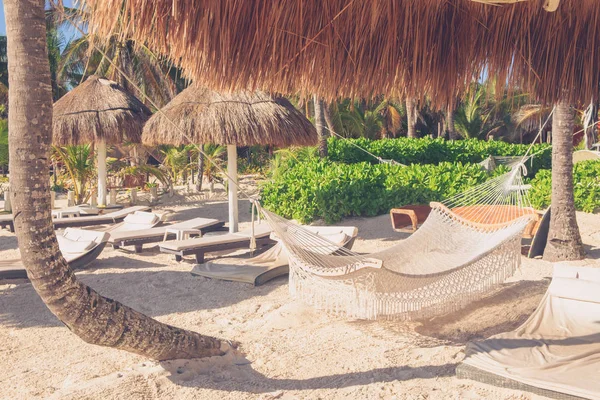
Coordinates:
564	240
320	126
411	116
93	318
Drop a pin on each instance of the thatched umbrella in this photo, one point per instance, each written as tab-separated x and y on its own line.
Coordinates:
342	48
98	111
239	119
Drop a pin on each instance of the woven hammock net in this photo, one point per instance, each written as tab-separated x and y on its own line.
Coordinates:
467	246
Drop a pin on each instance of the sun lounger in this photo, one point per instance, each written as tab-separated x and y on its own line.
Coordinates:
556	352
273	262
79	247
138	238
585	155
136	221
6	221
208	244
102	219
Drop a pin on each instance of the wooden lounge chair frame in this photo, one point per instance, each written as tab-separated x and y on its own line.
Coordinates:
200	252
7	221
275	272
139	243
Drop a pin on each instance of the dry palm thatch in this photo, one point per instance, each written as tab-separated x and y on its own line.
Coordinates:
241	119
98	109
360	48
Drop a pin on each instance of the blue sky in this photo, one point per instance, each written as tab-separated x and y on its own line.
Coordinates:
69	33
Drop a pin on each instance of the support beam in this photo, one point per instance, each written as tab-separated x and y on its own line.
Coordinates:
233	187
101	165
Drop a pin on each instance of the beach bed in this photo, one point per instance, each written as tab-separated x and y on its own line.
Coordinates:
138	238
79	247
198	247
6	221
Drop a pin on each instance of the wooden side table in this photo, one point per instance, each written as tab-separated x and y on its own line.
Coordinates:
66	213
408	216
181	233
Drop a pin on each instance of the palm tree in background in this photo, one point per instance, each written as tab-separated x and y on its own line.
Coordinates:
354	119
564	239
80	166
483	113
155	77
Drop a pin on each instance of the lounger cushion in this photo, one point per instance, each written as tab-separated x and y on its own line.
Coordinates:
69	246
196	223
85	235
142	217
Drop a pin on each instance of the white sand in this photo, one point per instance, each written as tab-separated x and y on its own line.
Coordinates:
295	352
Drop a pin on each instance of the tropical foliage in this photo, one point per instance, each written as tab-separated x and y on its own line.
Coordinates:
3	145
326	190
434	151
78	162
586	187
355	119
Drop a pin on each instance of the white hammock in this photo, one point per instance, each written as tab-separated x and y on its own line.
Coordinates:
466	247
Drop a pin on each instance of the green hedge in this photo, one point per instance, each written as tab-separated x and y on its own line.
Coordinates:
434	151
3	143
317	189
586	179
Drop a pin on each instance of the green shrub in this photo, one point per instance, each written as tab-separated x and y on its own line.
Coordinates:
318	189
434	151
3	144
586	187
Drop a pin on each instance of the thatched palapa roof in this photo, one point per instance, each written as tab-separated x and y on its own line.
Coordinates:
357	48
241	118
98	109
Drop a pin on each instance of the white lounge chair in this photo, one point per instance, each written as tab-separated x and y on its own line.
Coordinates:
556	352
79	247
6	221
207	244
585	155
273	262
137	221
138	238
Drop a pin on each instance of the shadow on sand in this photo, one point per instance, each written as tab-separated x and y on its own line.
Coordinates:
204	374
154	292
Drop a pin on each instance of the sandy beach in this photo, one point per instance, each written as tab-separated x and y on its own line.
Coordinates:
292	350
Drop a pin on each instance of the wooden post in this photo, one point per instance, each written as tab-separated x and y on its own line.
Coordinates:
113	196
52	199
154	195
93	198
7	205
233	188
70	198
101	165
133	196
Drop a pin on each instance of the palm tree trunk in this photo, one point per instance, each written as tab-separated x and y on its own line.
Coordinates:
94	318
450	123
320	125
327	115
564	240
200	170
411	116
